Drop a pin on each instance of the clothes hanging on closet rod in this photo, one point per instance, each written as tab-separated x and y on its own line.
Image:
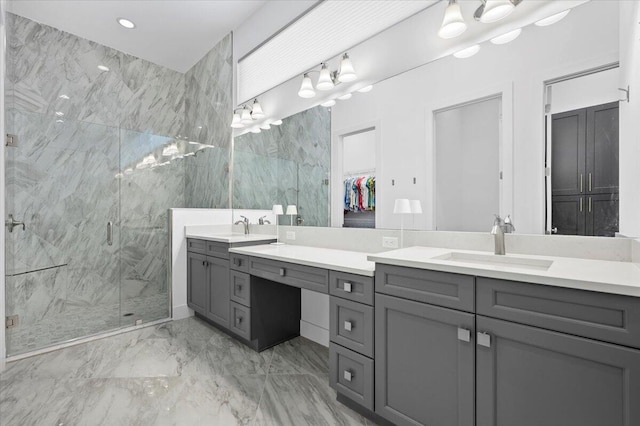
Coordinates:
360	193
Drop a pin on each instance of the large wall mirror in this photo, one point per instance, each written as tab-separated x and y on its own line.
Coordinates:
528	129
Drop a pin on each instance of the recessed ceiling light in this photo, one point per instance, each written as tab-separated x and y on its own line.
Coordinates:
506	37
468	52
550	20
329	103
366	89
65	97
126	23
103	68
345	96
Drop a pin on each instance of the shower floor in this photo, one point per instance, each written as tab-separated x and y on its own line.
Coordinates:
83	321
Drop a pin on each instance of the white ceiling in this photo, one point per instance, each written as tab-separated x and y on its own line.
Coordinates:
172	33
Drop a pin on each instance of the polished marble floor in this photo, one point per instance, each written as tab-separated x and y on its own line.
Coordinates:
177	373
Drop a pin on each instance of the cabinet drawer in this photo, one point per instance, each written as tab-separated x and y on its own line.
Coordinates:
350	286
438	288
197	246
216	249
239	262
351	325
240	289
300	276
607	317
351	374
240	320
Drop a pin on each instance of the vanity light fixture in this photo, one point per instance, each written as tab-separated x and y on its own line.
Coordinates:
103	68
245	116
453	23
495	10
468	52
277	122
126	23
256	110
265	126
550	20
345	97
402	206
306	88
236	122
507	37
65	97
277	211
256	130
59	113
347	72
325	81
329	103
366	89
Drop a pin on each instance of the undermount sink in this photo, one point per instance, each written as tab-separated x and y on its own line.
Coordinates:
496	260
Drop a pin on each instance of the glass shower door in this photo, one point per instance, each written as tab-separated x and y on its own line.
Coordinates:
63	273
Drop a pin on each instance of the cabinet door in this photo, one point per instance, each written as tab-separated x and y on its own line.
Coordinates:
568	214
532	377
602	149
219	291
197	282
602	215
424	363
568	152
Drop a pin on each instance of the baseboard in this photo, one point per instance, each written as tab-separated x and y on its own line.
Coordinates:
182	312
314	333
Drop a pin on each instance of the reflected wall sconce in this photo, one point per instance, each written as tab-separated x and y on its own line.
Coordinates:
292	210
327	79
247	114
402	206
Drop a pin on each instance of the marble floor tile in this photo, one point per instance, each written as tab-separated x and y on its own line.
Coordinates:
300	356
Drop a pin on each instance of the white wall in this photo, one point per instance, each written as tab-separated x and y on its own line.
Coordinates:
630	119
401	104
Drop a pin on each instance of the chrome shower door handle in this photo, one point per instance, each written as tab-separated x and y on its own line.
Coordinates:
110	233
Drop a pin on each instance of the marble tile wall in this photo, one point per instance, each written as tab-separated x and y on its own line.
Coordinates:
300	150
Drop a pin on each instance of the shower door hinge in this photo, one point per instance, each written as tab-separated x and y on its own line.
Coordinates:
12	321
11	140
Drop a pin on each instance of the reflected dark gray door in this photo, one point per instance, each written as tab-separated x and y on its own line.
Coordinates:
568	133
534	377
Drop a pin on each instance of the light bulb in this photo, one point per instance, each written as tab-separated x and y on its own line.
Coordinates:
235	122
453	23
347	72
325	82
256	110
245	117
306	88
495	10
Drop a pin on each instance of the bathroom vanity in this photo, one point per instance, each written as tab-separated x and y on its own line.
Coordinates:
428	336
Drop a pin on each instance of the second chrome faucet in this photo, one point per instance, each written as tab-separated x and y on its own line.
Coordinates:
501	227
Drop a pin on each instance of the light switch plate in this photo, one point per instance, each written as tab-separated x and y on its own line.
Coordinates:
291	235
389	242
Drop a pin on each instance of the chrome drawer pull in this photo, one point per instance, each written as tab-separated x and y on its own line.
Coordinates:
348	325
347	287
484	339
464	335
282	272
348	375
238	320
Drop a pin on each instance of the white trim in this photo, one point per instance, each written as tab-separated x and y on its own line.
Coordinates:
3	55
82	340
314	333
182	312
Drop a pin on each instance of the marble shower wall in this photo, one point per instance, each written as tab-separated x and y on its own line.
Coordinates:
208	106
292	160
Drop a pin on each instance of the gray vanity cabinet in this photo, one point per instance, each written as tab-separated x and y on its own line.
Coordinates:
424	363
197	282
529	376
219	291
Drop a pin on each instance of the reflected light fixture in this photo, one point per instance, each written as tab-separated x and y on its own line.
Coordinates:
256	130
265	126
170	150
347	72
329	103
468	52
245	116
126	23
550	20
59	113
345	97
277	122
453	23
507	37
306	88
366	89
325	82
103	68
236	122
495	10
65	97
256	110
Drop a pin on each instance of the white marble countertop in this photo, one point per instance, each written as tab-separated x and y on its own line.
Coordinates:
229	237
585	274
352	262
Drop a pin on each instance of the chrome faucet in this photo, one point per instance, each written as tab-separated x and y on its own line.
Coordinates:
263	221
501	227
245	222
12	223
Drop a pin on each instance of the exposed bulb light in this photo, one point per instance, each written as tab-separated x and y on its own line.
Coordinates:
256	130
306	88
366	89
550	20
345	97
325	82
126	23
277	122
495	10
329	103
468	52
453	23
245	116
256	110
236	122
347	72
265	126
103	68
507	37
